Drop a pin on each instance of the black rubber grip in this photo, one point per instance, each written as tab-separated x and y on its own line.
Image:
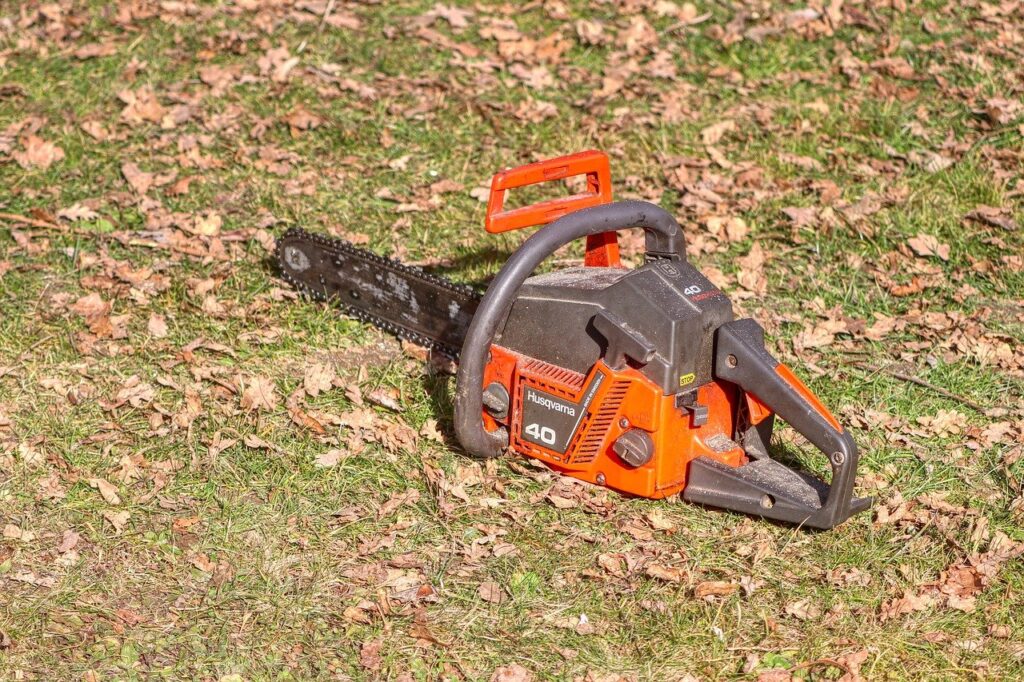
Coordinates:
664	239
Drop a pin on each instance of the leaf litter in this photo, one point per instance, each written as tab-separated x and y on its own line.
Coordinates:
419	536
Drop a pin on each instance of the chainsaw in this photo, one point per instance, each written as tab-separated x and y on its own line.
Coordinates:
640	380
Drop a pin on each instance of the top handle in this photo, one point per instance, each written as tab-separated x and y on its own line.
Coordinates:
663	239
602	249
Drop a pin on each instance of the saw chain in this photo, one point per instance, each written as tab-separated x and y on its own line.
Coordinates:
404	300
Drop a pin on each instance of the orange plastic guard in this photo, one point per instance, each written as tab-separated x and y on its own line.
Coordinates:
602	249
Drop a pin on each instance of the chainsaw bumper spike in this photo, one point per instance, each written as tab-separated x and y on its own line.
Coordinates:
639	380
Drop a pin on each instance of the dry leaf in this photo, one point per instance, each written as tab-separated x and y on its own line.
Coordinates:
369	655
659	521
928	245
38	153
318	378
141	106
136	393
202	562
70	540
259	394
714	133
803	609
410	496
91	306
672	574
139	180
512	673
117	519
93	50
491	591
107	490
207	225
330	458
715	588
157	326
994	216
431	432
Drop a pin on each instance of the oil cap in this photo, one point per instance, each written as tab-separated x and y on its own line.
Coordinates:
634	447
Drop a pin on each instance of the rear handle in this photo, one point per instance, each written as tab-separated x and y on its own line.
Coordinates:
664	240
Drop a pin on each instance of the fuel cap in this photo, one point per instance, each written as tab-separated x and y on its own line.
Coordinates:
634	447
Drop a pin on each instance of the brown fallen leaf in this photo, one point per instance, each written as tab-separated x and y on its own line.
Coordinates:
672	574
385	397
256	443
183	524
993	216
1001	111
157	326
803	609
908	603
180	186
38	153
714	133
659	521
318	378
13	532
369	654
69	540
139	180
117	519
141	106
301	119
93	50
431	432
925	245
714	588
206	225
202	562
330	458
91	306
135	392
511	673
410	496
491	591
731	228
107	490
95	130
915	286
76	212
611	562
357	615
259	393
456	17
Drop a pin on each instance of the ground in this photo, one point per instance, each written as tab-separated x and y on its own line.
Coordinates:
204	477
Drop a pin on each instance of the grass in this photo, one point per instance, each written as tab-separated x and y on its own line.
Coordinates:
240	558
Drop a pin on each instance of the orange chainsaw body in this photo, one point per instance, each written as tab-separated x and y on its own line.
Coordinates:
625	400
642	380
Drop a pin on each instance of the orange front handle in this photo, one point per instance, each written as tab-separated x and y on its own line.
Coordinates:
602	249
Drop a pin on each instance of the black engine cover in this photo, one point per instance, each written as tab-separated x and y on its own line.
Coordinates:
670	304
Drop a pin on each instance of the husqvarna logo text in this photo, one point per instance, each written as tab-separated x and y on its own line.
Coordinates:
550	404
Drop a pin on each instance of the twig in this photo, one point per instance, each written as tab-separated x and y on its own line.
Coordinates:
830	662
320	27
924	384
327	13
15	218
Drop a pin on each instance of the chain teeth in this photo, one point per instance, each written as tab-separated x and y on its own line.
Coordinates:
334	245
